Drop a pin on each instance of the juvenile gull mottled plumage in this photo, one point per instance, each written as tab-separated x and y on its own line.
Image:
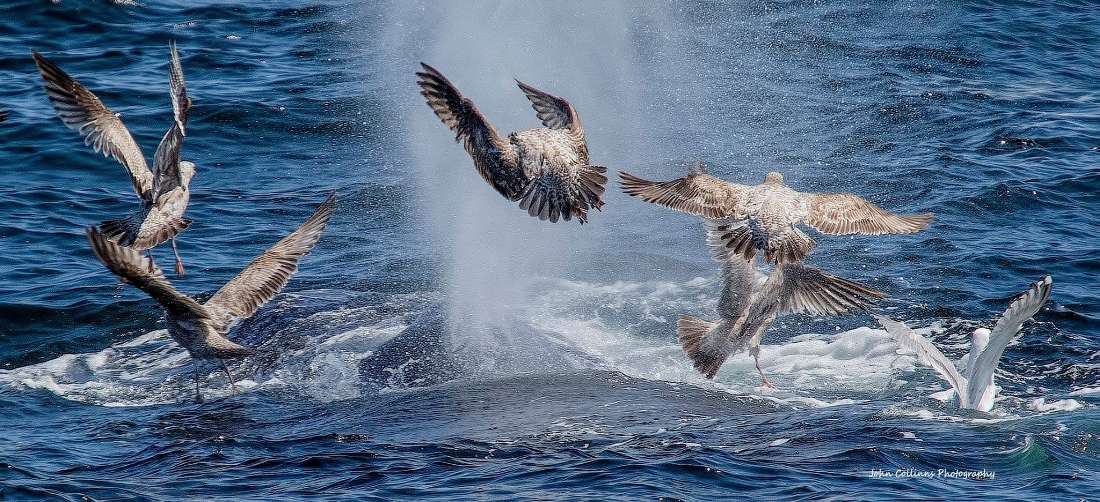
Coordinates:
773	210
747	307
164	190
546	169
974	387
202	328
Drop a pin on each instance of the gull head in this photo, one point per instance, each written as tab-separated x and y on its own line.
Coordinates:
978	340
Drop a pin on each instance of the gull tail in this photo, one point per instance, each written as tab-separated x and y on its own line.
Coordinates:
124	233
792	246
706	356
590	185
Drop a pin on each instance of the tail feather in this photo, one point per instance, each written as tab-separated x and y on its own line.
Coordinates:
706	356
126	234
791	247
591	185
119	231
739	239
544	199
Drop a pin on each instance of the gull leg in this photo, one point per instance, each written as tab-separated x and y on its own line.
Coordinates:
149	254
198	396
232	384
179	263
756	357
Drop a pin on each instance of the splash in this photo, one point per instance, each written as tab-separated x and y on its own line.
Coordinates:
496	253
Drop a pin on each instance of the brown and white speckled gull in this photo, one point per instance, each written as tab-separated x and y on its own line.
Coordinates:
772	210
164	190
546	169
202	328
747	307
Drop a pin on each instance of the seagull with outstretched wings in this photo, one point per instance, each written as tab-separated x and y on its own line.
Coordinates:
772	210
747	306
201	328
974	387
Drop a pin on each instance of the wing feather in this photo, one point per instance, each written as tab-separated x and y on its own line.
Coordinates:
845	213
268	273
494	159
926	352
737	274
1005	330
699	194
166	160
138	270
554	112
809	289
82	111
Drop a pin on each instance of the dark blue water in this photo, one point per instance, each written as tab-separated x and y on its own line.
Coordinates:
439	343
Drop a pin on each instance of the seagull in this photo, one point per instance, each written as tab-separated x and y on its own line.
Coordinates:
546	169
974	388
164	190
202	328
748	306
773	210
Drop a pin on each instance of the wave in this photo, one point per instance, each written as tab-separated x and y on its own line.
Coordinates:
332	345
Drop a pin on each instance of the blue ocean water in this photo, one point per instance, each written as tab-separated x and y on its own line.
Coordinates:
440	344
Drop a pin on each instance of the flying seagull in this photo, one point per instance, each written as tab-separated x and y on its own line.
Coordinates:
164	190
546	169
202	328
773	210
974	388
747	306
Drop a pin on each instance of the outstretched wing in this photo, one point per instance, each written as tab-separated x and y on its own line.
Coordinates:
845	213
83	111
809	289
494	159
737	274
268	273
138	270
699	194
166	161
554	112
1019	311
926	352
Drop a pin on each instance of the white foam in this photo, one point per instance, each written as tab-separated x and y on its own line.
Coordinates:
1042	406
152	369
808	370
1087	391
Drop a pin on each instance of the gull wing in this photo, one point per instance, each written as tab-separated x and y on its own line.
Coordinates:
1006	328
809	289
845	213
268	273
554	112
139	271
166	160
926	352
697	193
494	159
84	112
737	274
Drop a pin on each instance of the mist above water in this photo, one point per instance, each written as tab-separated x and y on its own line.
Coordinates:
495	251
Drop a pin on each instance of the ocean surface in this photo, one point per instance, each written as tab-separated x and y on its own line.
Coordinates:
440	344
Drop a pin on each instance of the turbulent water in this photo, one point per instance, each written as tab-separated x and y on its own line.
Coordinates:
440	343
